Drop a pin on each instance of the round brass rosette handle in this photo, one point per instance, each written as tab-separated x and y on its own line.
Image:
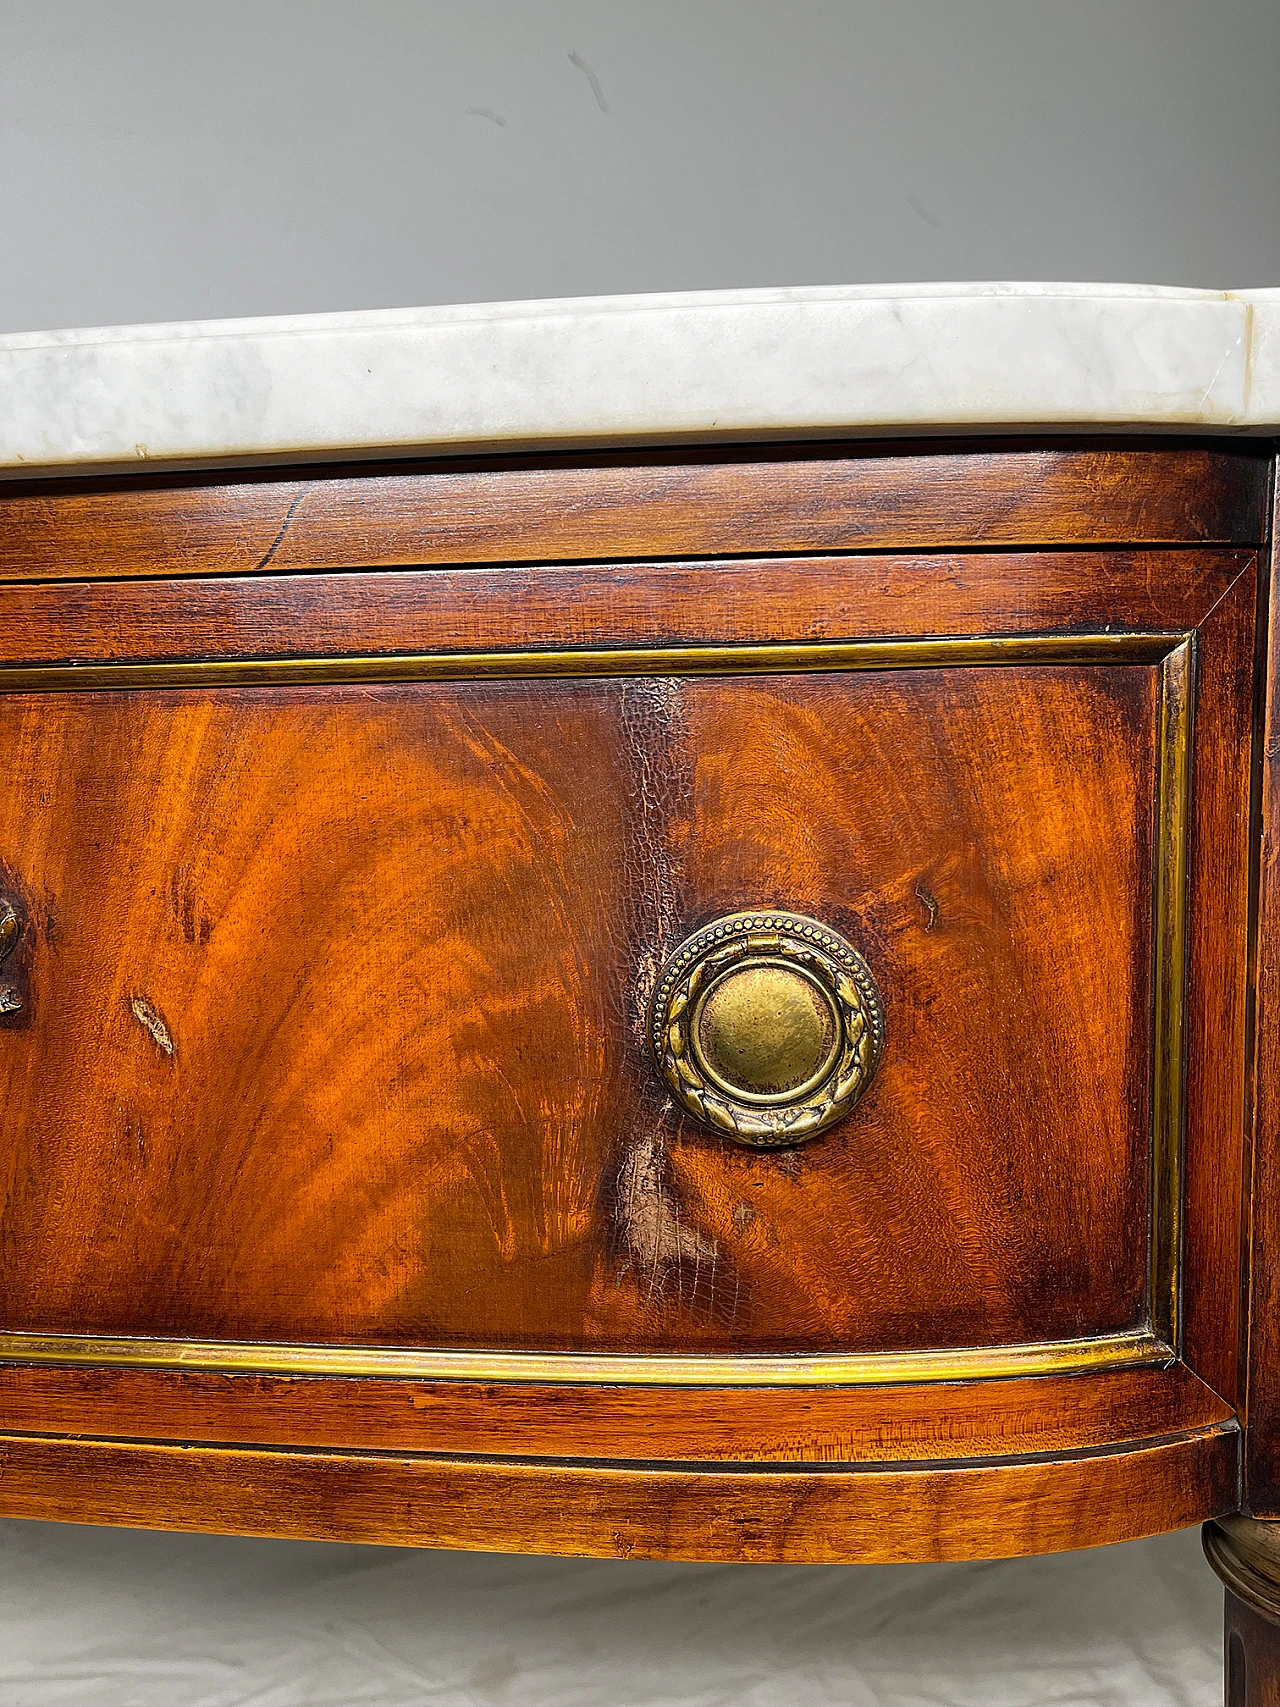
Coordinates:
767	1027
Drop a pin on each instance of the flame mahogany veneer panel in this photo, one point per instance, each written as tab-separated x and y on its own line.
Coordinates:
334	1029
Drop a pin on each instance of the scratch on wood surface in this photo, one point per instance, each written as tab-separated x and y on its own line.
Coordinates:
152	1022
929	904
138	1138
670	1260
278	541
649	1219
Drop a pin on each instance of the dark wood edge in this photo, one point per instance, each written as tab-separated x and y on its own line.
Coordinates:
860	1515
15	482
672	505
1019	1417
1260	1280
1217	992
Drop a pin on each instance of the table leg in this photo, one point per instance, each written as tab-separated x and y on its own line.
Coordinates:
1246	1555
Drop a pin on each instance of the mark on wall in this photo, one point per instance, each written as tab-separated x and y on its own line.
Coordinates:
589	74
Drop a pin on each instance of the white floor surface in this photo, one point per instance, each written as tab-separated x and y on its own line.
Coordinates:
124	1618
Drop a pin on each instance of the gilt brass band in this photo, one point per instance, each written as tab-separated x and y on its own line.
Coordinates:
767	1027
1092	1352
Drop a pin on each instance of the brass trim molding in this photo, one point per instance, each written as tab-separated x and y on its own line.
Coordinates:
779	658
1155	1344
1174	754
970	1363
1245	1554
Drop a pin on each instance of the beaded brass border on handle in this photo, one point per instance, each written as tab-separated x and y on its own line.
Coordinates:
796	949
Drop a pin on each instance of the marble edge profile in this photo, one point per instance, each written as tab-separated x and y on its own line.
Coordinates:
858	361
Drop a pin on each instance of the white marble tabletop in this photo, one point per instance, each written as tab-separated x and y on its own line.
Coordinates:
870	360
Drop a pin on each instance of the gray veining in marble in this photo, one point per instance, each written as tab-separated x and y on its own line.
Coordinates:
866	360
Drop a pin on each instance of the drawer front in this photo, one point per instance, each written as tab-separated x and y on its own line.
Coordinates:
334	995
665	986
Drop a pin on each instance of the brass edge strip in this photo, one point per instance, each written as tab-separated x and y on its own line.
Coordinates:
1169	968
1058	1357
770	659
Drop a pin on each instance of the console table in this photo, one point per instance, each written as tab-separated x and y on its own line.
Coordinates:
648	927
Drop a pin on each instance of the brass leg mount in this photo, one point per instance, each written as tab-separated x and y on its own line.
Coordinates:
1246	1555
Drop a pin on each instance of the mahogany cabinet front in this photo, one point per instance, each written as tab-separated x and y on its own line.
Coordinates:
696	1004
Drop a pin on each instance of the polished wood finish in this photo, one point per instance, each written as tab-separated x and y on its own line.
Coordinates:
1261	1341
1246	1555
567	609
667	504
333	992
931	1421
1251	1657
642	1511
1218	1004
417	1115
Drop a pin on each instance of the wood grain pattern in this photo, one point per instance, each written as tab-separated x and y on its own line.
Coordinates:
646	604
1261	1342
1246	1556
646	1512
1218	992
1251	1670
332	996
334	1030
668	504
937	1422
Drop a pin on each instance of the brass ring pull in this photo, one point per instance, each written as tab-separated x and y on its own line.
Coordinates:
767	1027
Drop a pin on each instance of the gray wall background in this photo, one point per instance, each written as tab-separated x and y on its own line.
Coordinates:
162	159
